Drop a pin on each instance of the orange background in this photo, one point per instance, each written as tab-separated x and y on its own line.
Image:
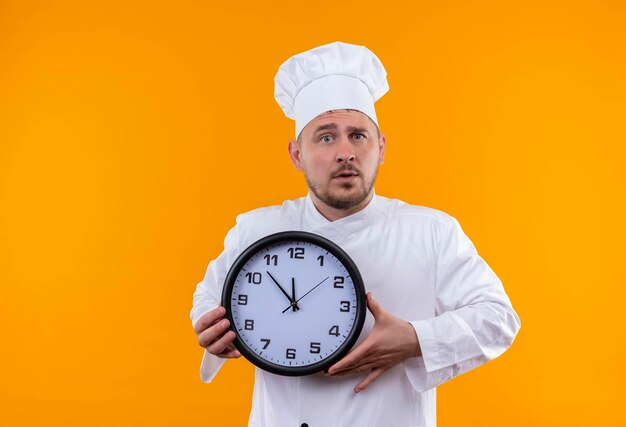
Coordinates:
132	133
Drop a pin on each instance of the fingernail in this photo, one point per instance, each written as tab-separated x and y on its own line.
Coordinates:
224	323
222	310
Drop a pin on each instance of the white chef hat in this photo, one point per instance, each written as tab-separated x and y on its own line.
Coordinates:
330	77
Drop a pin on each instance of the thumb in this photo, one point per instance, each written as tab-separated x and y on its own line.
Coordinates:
375	308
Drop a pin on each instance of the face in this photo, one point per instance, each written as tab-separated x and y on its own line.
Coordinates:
339	153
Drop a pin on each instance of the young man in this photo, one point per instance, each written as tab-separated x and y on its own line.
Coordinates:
436	308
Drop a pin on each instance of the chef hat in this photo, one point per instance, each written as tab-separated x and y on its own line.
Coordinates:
330	77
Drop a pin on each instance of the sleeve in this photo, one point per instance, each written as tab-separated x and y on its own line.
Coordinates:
208	296
474	320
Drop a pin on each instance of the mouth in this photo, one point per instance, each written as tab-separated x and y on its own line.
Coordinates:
346	174
346	177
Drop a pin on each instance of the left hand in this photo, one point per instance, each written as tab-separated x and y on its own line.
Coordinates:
391	341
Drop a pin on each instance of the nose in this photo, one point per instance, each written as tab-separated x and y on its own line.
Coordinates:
345	151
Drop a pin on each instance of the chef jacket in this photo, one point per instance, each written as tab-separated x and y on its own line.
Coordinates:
421	267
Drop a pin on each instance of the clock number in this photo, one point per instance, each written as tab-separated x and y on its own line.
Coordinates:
271	259
345	306
266	341
242	299
338	282
254	278
321	260
334	331
297	253
290	353
315	347
249	325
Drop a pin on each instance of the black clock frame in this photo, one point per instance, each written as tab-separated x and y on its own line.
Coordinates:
341	255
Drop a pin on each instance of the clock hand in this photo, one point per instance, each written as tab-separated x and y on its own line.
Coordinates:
310	290
282	290
294	303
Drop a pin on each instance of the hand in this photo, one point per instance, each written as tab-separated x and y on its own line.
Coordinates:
310	290
293	302
210	330
391	341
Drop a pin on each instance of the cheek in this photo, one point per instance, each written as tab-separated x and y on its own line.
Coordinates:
371	159
318	163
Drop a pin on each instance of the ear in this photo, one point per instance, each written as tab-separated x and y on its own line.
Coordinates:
382	144
295	154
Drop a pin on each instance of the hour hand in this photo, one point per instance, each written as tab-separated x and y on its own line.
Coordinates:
281	289
294	303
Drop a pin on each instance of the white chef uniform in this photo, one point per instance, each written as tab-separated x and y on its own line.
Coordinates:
422	268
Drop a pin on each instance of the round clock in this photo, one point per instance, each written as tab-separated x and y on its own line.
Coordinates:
296	303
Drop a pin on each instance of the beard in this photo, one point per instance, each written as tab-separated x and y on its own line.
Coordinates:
348	201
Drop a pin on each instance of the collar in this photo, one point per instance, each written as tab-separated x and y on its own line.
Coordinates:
315	222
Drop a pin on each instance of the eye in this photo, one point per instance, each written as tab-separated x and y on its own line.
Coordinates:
326	138
360	136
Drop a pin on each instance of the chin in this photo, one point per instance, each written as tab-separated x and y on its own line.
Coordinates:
342	200
344	196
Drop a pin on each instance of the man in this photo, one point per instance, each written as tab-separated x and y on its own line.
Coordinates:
436	308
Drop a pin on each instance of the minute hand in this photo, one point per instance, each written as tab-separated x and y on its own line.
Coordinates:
310	290
281	288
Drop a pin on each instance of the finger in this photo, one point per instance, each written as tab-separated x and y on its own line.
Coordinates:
373	306
229	353
365	367
211	334
358	367
228	348
369	379
221	344
209	319
352	359
355	370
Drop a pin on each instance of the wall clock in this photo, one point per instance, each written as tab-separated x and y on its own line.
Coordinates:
296	302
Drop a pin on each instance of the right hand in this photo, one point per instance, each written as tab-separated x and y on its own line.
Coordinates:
210	329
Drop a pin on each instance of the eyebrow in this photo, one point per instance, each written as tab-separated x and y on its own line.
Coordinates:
333	126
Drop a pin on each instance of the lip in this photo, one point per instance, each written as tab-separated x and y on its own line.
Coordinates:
349	177
346	174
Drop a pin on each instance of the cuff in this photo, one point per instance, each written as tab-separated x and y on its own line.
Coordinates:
428	345
210	366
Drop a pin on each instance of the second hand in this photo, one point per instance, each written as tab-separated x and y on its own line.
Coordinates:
312	289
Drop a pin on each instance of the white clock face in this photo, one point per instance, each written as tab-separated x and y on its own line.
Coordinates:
293	304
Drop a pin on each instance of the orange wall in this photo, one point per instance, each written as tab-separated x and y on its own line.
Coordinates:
133	132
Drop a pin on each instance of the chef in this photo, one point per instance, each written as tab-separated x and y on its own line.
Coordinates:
436	309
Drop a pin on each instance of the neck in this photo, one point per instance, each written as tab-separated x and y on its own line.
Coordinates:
333	214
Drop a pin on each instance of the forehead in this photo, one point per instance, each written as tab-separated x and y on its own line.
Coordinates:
342	119
339	120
